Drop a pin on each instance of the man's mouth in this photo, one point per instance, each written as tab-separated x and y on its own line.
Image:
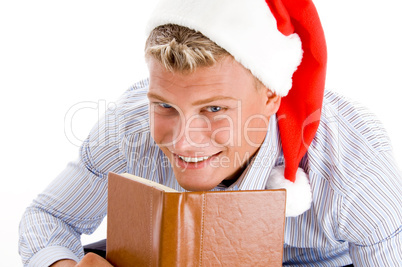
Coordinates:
194	160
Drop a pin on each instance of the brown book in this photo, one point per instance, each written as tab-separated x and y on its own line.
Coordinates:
153	225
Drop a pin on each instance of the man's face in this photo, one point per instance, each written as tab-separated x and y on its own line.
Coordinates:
208	123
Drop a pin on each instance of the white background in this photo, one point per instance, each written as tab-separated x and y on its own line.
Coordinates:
56	54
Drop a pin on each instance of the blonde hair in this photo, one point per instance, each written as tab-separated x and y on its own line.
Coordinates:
181	49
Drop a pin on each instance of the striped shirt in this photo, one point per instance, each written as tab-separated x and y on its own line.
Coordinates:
355	216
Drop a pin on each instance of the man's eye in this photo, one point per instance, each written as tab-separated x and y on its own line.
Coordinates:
213	109
164	105
163	109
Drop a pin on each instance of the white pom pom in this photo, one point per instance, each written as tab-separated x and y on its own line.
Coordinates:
298	194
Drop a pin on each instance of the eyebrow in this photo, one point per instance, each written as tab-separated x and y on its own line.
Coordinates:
196	103
152	95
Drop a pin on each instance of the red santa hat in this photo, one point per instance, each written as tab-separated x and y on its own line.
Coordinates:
282	43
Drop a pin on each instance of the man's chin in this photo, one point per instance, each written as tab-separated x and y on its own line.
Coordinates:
196	185
193	180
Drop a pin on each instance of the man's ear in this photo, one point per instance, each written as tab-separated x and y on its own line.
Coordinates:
273	102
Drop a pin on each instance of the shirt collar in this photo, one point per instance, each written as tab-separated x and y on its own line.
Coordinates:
256	174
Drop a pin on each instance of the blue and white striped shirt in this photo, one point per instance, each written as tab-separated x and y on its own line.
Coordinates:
355	216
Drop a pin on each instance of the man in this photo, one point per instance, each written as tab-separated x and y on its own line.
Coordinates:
235	101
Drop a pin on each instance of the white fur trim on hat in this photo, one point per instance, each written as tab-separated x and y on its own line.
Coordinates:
245	28
298	194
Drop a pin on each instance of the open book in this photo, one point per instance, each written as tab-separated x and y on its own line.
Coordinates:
150	224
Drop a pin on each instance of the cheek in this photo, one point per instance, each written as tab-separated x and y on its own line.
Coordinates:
161	128
254	130
223	132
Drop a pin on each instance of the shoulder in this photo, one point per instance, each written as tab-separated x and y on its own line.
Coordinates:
131	112
350	162
353	123
126	116
348	140
124	126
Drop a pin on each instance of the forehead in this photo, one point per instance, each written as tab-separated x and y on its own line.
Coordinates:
225	75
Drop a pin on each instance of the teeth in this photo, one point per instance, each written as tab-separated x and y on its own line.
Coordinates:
193	160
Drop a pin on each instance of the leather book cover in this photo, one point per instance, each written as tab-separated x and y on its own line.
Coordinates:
148	226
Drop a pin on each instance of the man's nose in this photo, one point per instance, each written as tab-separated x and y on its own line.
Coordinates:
191	132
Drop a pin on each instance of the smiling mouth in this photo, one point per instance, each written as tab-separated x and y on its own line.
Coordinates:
196	159
193	160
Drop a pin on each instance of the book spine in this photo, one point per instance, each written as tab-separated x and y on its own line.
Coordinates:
134	223
156	207
182	227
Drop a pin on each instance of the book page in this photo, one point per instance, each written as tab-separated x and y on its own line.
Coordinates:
148	182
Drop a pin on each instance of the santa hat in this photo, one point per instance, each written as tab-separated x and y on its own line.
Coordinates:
282	43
